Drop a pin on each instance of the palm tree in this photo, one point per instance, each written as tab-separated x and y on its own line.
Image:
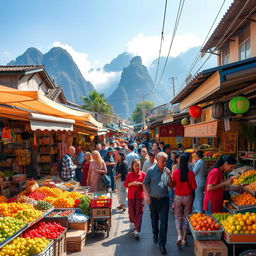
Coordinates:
96	102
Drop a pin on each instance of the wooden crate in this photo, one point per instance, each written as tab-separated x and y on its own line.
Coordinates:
79	226
60	245
76	240
239	238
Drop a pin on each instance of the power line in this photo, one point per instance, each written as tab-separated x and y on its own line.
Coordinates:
181	5
161	41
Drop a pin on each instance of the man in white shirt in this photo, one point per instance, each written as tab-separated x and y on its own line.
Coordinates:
150	162
131	156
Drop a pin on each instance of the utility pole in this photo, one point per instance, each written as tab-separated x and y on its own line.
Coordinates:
173	78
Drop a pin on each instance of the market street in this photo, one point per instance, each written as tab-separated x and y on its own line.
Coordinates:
121	242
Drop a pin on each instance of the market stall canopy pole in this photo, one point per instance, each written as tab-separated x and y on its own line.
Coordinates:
36	101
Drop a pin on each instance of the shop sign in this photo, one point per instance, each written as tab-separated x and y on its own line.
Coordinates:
171	130
206	129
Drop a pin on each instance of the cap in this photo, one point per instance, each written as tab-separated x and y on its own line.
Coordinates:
110	149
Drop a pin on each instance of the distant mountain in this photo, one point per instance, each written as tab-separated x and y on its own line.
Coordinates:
31	56
62	68
135	83
118	63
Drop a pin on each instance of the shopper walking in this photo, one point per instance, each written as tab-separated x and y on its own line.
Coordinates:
85	168
156	184
200	176
67	166
215	184
103	150
155	148
121	173
150	162
79	160
96	171
143	156
110	163
167	150
184	183
131	156
136	196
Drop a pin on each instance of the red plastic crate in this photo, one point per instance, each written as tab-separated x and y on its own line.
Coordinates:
98	203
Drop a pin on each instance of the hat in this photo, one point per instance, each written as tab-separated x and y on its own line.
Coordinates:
116	148
151	153
110	149
122	154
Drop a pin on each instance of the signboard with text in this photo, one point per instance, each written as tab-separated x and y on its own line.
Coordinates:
206	129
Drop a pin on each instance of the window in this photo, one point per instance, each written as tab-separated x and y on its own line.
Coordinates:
244	43
225	54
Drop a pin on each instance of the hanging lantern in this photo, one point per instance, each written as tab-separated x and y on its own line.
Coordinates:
217	110
195	111
185	121
239	105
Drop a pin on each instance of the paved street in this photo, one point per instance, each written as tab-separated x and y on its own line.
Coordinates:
121	243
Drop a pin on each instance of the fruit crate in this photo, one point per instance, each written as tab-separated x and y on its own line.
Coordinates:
239	238
9	239
60	245
99	203
249	191
48	251
79	225
230	208
242	207
205	235
63	220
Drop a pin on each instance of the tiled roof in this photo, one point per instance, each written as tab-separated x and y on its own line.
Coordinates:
24	68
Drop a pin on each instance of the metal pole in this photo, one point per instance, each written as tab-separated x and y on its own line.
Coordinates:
173	84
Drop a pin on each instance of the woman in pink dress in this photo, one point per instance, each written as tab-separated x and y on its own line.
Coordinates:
96	170
86	166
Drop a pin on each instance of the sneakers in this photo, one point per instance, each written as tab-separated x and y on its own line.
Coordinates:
136	235
131	228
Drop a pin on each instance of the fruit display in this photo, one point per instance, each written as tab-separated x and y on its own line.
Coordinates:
203	222
28	215
43	205
11	209
37	195
9	226
251	186
48	230
247	177
220	216
244	199
84	205
24	247
3	199
240	223
63	202
57	214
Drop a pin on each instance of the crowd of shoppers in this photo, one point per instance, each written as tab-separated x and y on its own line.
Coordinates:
152	173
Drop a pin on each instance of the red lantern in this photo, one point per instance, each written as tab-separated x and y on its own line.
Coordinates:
195	111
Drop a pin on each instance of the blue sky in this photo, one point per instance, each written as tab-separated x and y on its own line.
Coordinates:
99	30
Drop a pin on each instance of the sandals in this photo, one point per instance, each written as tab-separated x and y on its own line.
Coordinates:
183	242
179	242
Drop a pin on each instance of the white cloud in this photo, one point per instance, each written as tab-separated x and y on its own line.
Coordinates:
98	78
148	46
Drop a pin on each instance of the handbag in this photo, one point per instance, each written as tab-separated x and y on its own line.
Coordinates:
106	180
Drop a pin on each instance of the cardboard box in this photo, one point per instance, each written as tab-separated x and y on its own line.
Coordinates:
101	212
79	226
210	248
76	240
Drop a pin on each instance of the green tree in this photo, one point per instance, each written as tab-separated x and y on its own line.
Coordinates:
96	102
141	109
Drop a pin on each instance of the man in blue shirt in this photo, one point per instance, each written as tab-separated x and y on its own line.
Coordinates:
200	176
110	163
156	185
167	150
79	159
131	156
103	151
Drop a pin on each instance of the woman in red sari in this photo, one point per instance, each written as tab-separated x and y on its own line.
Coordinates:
85	170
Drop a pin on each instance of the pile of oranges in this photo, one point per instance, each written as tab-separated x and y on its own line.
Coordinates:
53	192
251	186
11	209
3	199
244	199
203	222
240	223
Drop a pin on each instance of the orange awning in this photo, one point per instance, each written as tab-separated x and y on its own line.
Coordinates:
37	102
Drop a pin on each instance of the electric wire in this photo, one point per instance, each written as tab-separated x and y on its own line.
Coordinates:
161	41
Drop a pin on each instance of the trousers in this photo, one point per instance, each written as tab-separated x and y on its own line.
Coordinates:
121	191
159	210
111	175
198	201
135	211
